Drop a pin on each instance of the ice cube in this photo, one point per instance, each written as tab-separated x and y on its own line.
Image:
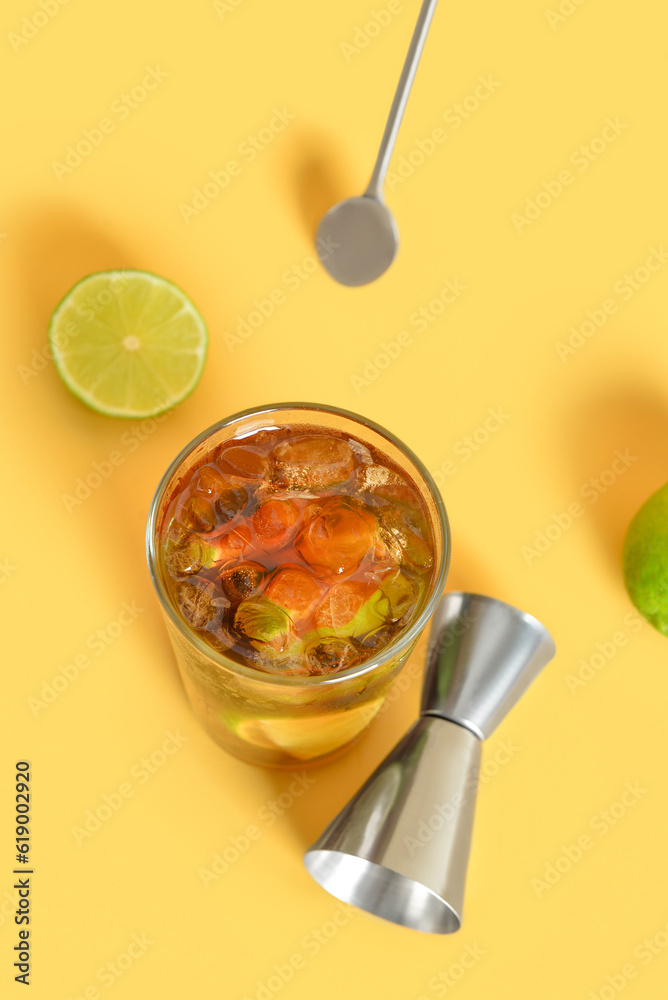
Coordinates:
312	508
386	486
296	590
400	493
196	601
340	605
379	637
241	461
264	624
228	499
402	593
198	515
331	654
185	554
230	502
242	581
233	543
403	529
186	558
285	664
311	463
220	637
209	481
349	611
361	452
370	477
177	534
337	539
373	615
274	522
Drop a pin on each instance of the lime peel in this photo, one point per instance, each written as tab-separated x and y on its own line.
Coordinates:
645	560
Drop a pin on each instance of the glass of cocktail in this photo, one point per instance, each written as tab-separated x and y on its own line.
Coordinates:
298	551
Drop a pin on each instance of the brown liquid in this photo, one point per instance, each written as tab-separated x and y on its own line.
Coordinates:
355	530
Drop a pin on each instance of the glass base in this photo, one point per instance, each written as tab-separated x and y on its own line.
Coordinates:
279	760
284	741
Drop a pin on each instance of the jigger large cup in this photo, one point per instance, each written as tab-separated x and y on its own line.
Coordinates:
400	848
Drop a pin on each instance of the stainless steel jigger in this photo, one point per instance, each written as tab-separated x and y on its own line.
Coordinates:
400	848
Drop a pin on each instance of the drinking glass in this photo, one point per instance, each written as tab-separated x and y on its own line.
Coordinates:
288	721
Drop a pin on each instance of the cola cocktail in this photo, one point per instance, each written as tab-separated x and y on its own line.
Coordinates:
298	552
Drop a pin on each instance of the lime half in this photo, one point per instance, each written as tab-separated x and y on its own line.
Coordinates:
306	738
645	560
128	343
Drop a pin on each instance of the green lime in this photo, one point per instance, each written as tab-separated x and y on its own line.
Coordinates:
645	560
306	738
128	343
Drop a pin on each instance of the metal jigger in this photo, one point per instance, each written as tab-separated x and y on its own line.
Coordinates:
400	847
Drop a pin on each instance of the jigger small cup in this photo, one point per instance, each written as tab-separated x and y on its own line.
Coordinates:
399	849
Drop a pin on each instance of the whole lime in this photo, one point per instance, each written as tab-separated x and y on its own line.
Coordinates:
645	560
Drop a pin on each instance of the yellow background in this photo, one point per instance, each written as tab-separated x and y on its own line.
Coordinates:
66	574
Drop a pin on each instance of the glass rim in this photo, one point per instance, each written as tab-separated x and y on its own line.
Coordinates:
403	640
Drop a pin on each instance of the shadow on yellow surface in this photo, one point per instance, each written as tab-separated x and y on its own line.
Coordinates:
313	175
611	435
470	574
58	247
